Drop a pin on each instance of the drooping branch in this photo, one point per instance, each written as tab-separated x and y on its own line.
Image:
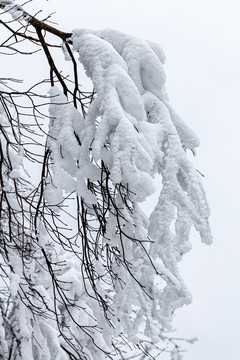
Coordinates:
77	249
52	65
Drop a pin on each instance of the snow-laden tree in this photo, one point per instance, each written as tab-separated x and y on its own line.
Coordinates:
86	274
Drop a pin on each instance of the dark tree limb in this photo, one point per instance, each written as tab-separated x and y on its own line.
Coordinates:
42	25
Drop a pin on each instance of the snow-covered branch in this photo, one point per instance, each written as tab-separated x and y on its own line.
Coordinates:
84	269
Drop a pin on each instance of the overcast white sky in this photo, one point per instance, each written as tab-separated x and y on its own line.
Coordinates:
201	42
